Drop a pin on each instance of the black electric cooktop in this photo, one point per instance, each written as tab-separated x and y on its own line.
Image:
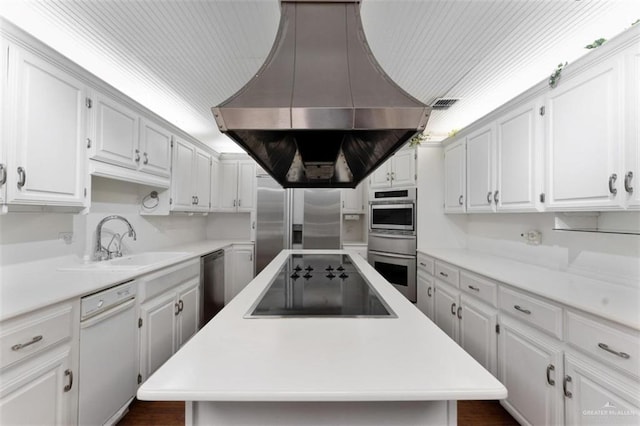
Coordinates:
319	285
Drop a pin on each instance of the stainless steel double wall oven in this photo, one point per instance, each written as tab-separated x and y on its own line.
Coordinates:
392	237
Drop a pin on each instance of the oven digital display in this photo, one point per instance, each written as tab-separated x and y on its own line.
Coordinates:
392	216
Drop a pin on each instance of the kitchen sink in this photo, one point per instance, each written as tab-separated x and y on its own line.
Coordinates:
129	262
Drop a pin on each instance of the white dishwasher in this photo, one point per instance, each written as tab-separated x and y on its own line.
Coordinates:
108	364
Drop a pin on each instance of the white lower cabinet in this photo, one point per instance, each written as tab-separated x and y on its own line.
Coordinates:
446	303
39	358
426	294
239	269
594	394
530	368
169	314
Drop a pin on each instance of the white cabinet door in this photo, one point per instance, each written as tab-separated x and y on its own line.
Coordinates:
425	298
155	148
228	185
34	394
182	177
353	200
454	177
242	270
597	395
4	137
518	159
631	171
188	305
202	180
446	305
158	332
480	192
583	134
478	332
246	186
215	184
381	177
115	132
403	168
530	367
46	157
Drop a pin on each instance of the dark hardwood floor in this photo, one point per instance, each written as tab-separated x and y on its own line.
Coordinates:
470	413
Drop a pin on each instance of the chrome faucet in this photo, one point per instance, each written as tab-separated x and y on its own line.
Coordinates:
104	253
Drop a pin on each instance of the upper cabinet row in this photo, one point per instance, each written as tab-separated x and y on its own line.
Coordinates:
570	148
397	171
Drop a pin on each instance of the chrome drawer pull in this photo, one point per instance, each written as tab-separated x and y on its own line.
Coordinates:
444	275
460	200
566	380
68	387
423	264
524	311
22	177
627	182
453	309
459	312
489	197
608	349
612	181
550	368
3	174
473	288
19	346
429	291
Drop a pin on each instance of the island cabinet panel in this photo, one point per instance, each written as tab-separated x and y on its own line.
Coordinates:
45	133
531	370
583	142
597	395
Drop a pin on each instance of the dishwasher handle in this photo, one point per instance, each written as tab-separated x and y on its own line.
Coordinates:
91	321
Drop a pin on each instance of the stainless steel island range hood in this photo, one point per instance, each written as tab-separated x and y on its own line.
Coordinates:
320	112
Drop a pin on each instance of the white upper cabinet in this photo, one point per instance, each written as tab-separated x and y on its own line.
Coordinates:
397	171
353	200
155	148
237	185
631	171
215	184
518	149
115	132
480	193
583	135
454	177
190	178
45	134
4	53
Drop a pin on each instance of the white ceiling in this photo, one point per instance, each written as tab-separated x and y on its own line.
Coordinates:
181	57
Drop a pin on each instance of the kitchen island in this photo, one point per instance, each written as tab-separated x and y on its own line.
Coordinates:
377	360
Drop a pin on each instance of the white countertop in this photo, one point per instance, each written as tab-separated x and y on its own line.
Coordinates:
25	287
407	358
614	302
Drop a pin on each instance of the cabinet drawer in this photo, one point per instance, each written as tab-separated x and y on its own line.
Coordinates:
536	312
447	273
615	345
160	281
426	263
34	333
480	287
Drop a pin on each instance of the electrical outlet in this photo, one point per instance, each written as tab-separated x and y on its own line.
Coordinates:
66	236
532	237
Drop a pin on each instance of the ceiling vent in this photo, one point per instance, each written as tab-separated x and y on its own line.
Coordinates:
443	103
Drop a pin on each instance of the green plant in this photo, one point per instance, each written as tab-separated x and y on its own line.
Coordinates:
418	139
633	23
452	133
555	76
596	43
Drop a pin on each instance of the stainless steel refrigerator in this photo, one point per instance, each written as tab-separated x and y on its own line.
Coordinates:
299	218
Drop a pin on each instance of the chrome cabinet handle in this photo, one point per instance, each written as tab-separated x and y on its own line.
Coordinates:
453	309
612	181
180	305
22	177
473	288
68	373
567	379
393	175
608	349
459	312
197	199
176	310
423	264
495	196
19	346
146	158
239	202
137	155
444	275
550	368
524	311
3	174
429	291
627	182
234	203
460	200
387	176
489	197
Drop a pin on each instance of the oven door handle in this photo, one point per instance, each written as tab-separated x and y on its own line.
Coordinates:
396	256
394	236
